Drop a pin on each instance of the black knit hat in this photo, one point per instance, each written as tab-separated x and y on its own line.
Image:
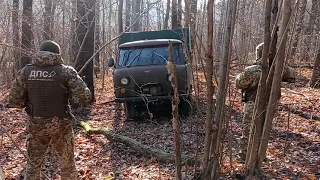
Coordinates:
50	46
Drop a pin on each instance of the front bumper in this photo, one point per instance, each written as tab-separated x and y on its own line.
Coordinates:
147	98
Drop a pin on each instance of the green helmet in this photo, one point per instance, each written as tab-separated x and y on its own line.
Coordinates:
50	46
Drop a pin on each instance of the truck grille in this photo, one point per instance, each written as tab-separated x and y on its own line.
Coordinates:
150	89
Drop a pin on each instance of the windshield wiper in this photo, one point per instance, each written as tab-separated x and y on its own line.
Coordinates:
138	55
161	56
126	56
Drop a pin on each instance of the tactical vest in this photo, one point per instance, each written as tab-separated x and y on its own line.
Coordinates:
46	95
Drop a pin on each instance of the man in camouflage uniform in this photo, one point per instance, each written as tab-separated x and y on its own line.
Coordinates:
43	88
248	82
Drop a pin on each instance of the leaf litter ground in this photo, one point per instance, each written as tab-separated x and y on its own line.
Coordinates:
293	149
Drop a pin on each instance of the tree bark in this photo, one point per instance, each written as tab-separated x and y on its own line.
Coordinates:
276	83
85	35
210	89
310	28
15	33
175	113
223	85
128	13
260	104
27	35
166	18
137	7
179	14
48	19
299	25
315	79
120	10
174	15
97	37
274	35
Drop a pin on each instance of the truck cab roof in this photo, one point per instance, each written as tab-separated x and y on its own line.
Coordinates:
152	42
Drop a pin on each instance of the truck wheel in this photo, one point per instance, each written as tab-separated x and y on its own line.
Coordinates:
129	110
185	106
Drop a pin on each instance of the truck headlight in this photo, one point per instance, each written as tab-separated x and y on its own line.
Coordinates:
124	81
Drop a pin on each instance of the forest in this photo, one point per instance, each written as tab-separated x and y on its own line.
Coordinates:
283	131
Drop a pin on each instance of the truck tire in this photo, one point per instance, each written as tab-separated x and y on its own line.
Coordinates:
130	110
185	106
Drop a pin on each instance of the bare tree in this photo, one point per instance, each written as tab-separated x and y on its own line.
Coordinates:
274	35
174	14
120	9
26	35
166	18
171	67
299	25
128	13
85	35
219	116
210	88
310	28
179	13
276	83
137	7
315	79
48	19
260	103
15	32
97	37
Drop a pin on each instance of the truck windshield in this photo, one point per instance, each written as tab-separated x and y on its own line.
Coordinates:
155	55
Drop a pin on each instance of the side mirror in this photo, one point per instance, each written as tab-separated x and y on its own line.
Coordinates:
110	62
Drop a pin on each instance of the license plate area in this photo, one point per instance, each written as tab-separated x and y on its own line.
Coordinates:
151	89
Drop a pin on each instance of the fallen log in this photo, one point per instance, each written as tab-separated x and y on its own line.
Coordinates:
136	145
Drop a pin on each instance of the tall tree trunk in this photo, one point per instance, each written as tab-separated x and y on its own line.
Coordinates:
274	26
299	25
174	15
75	44
48	19
120	10
209	73
128	13
315	79
220	30
15	33
179	14
86	9
166	18
104	55
137	7
310	28
243	31
97	35
171	67
260	103
159	18
26	36
219	116
276	83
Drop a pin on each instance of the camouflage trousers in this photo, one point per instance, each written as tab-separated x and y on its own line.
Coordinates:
246	122
57	133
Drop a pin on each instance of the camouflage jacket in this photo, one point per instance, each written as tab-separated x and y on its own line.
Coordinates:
79	92
249	78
